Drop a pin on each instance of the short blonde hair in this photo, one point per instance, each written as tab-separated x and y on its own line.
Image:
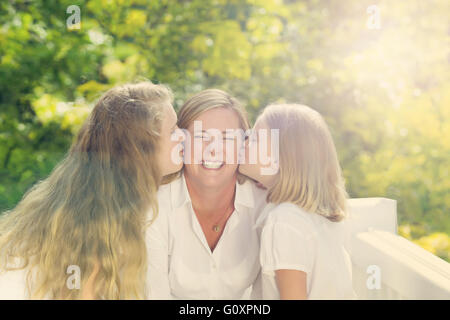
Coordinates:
206	100
310	175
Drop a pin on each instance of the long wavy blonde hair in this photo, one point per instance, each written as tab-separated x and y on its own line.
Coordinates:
91	210
310	175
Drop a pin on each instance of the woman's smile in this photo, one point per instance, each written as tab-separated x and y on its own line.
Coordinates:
212	165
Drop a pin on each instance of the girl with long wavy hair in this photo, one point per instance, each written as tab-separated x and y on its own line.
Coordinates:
93	209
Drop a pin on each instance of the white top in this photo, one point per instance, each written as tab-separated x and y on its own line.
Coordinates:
181	264
13	285
292	238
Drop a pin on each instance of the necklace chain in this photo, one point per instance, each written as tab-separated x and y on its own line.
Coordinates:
216	226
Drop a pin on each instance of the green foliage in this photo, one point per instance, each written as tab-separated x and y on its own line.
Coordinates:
384	93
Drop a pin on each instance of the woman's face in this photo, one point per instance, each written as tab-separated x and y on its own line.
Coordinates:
217	162
170	155
259	156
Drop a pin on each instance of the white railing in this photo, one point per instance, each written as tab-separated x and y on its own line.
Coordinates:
385	265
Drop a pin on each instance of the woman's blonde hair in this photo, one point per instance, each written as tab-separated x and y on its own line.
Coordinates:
92	210
206	100
310	175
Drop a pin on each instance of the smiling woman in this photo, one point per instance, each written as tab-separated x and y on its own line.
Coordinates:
206	215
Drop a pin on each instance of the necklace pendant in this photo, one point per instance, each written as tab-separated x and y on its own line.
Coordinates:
216	228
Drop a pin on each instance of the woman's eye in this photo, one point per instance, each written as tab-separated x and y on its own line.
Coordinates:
204	137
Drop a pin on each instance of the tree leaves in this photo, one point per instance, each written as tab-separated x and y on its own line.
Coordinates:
384	93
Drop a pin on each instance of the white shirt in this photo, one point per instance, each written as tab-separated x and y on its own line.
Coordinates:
13	285
181	264
294	239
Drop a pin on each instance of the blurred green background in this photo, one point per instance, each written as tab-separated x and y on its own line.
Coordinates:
380	77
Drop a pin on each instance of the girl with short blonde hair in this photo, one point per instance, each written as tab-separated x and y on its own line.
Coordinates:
302	239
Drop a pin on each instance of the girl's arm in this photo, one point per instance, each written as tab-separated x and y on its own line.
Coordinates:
291	284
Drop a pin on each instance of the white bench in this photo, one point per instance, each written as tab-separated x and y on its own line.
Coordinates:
406	271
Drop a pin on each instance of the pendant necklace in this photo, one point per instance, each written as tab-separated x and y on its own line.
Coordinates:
216	227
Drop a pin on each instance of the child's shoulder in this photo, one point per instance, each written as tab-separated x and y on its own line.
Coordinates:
288	211
289	214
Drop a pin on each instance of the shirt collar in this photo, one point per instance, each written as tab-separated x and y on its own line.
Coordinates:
179	192
244	194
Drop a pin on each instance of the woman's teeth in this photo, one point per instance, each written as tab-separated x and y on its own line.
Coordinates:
212	164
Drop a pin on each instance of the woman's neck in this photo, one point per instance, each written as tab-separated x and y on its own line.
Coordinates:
207	201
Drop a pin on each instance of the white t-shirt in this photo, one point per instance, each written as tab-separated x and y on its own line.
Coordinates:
13	283
292	238
181	264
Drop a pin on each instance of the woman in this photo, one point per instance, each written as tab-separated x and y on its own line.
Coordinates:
91	211
302	240
204	246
